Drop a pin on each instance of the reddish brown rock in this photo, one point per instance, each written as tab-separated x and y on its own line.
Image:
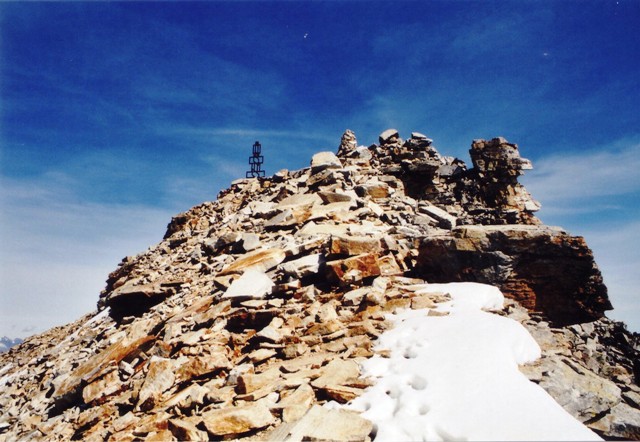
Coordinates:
260	260
543	268
353	270
354	245
295	404
67	387
101	388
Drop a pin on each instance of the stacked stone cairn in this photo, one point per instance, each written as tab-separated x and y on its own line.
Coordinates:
257	308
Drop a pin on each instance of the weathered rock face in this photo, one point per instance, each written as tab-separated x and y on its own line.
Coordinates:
591	369
543	268
256	309
496	167
488	193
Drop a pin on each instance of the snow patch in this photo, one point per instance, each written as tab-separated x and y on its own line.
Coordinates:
456	377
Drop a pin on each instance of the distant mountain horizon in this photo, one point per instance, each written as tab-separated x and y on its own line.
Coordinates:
6	343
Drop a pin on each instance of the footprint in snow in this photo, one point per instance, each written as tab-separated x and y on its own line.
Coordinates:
410	353
424	409
418	382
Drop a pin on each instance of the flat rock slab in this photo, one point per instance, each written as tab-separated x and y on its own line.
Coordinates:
134	299
250	241
311	228
253	284
234	421
258	260
388	135
295	404
300	199
373	190
337	197
335	425
101	388
305	266
325	160
354	245
250	382
160	378
446	220
201	365
337	372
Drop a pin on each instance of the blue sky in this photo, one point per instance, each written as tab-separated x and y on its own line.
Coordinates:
116	115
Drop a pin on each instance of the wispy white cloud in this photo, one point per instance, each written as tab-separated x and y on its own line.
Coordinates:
617	252
225	149
57	251
241	132
183	192
229	169
563	181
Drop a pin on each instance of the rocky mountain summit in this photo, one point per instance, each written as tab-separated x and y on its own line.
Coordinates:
258	308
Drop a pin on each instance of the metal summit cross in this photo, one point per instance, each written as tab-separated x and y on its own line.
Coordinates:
255	161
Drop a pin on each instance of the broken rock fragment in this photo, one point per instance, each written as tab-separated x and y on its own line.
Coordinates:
263	260
303	267
345	426
253	284
235	421
160	378
354	245
354	269
324	160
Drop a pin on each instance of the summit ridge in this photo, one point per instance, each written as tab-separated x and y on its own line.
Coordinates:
259	307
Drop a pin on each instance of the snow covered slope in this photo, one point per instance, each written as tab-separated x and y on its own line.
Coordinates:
456	377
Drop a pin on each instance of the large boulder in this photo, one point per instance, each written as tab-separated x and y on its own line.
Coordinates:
542	267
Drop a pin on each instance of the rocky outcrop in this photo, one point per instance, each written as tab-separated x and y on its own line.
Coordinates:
256	309
591	369
543	268
488	193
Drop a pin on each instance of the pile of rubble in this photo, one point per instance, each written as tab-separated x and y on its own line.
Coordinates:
197	367
256	309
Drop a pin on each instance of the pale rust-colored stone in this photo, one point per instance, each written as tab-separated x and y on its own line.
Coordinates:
250	382
345	426
160	377
103	387
259	260
337	372
354	245
354	269
235	421
200	365
295	404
